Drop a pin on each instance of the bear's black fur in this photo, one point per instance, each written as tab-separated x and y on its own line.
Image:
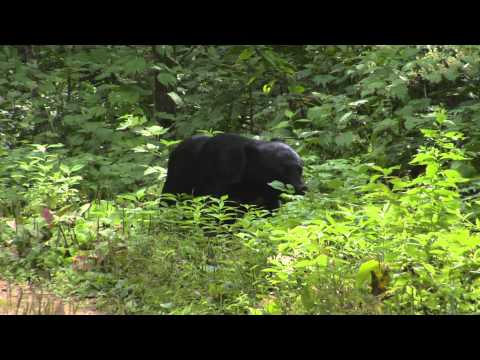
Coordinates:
233	165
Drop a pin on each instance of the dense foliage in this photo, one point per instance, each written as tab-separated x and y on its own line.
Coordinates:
390	136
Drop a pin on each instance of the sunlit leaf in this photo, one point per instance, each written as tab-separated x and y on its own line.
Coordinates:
363	274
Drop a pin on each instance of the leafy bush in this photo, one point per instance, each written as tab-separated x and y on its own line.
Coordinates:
389	224
409	240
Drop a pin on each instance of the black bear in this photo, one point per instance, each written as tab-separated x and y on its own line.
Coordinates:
233	165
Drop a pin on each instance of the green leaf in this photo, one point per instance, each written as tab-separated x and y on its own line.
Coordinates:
297	89
125	95
84	208
267	88
384	171
344	139
323	79
99	111
163	50
434	77
440	116
130	197
343	121
358	103
414	122
145	148
320	115
376	85
273	308
131	121
289	113
77	167
387	124
73	120
400	91
153	170
432	169
315	113
322	260
140	193
166	79
154	130
251	80
278	185
65	169
134	65
176	98
454	176
167	306
281	125
465	169
429	268
451	155
55	146
422	159
364	275
246	54
451	74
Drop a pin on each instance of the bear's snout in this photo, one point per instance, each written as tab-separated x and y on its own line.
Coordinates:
302	189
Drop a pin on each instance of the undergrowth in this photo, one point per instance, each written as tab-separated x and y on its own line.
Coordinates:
362	241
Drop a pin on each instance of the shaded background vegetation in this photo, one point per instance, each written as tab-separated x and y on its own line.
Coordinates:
85	132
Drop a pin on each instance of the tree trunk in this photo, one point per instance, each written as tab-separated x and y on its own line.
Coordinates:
162	102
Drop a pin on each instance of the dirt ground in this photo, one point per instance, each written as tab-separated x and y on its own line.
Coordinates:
25	300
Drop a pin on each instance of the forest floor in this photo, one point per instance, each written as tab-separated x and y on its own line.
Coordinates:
26	300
